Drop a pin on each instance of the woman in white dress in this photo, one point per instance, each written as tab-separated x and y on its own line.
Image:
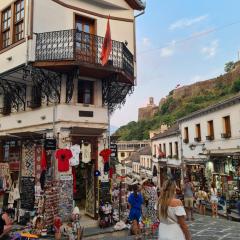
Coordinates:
172	215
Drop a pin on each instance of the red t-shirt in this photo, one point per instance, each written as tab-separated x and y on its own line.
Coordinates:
105	153
63	156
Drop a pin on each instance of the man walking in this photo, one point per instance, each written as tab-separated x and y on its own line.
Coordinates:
188	198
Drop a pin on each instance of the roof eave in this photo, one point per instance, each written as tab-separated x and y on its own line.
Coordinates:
136	4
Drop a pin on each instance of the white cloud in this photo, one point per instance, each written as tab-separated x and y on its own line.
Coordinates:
211	50
187	22
146	42
169	50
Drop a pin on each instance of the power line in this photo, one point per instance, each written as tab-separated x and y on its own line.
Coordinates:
195	36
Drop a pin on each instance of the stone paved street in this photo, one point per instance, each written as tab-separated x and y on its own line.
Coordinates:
203	228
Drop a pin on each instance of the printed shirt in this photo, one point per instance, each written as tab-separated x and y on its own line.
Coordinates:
86	153
75	149
63	156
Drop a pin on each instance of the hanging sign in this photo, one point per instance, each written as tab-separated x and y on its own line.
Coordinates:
50	144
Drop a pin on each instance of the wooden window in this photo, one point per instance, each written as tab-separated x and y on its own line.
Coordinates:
18	20
122	154
170	150
226	127
210	130
176	149
6	28
85	92
198	132
164	148
186	135
160	147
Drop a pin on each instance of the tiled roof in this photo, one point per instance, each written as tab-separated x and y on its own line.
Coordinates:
145	150
136	4
173	130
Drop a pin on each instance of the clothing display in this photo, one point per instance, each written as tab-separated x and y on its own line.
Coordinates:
63	156
44	160
75	149
105	154
86	152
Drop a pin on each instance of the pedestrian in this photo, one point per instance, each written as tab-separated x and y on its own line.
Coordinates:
171	214
5	223
214	200
135	200
150	199
188	190
202	199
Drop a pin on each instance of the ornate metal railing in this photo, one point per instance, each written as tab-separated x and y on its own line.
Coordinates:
82	47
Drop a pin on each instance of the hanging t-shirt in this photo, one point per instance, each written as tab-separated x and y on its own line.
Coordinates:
105	153
63	156
75	149
86	153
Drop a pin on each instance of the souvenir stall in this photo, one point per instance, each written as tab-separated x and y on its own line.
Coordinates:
196	173
225	173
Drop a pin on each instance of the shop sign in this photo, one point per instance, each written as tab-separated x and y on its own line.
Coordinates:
114	150
236	157
50	144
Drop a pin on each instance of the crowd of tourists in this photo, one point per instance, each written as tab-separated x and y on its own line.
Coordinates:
168	209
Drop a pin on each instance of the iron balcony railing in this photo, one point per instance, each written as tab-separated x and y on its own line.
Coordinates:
82	47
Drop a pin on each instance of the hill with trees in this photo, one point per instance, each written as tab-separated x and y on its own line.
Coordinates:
185	100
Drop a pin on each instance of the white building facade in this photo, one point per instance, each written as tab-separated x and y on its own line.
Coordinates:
211	146
166	154
54	87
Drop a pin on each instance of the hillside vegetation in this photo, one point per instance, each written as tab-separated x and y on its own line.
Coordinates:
175	107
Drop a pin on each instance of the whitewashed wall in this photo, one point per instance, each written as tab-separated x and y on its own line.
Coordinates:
218	144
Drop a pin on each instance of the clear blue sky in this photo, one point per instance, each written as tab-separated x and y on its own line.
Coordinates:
181	42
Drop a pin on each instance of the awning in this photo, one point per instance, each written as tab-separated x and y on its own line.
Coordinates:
81	131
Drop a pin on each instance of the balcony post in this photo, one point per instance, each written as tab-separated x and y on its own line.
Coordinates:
63	89
28	96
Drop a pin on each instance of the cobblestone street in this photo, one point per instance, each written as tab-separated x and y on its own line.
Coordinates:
203	228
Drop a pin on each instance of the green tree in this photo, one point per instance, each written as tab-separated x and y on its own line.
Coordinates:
236	86
229	66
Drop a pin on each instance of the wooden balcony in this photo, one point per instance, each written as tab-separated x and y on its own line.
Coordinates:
70	49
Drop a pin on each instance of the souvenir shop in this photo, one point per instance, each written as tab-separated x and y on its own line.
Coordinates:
196	173
41	182
224	171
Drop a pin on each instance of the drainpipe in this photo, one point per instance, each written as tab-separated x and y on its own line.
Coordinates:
181	154
134	37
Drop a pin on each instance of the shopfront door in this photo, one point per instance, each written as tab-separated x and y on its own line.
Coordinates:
90	192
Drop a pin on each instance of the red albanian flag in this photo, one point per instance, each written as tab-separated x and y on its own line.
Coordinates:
107	45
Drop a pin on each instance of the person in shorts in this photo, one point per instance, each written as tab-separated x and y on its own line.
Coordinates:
202	199
188	191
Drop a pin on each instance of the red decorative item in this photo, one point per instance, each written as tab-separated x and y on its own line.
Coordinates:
43	160
105	154
57	224
107	45
63	156
74	180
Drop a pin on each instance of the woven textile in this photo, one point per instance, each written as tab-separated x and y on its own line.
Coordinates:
28	160
38	156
